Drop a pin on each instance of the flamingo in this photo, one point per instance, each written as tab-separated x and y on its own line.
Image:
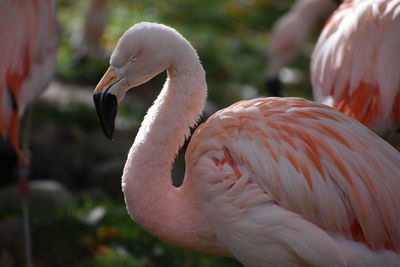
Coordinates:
28	61
355	66
268	181
289	34
93	28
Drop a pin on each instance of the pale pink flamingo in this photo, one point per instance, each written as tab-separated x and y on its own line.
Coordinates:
28	59
269	181
27	62
355	66
93	29
289	34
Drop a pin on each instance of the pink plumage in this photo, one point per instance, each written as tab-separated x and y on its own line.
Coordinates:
28	58
355	65
270	182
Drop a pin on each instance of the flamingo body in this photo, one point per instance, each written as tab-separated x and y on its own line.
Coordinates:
28	58
281	173
355	65
270	182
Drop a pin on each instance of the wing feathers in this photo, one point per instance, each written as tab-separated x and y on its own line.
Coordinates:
312	160
354	65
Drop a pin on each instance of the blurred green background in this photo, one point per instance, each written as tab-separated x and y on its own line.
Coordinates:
81	219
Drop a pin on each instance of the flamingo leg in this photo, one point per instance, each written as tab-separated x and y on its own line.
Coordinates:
23	182
24	164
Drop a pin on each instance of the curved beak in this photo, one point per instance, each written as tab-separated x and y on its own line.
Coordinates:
106	103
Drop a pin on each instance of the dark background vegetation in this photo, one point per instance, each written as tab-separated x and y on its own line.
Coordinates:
84	222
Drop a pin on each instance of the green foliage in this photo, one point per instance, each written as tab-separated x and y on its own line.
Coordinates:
63	238
231	37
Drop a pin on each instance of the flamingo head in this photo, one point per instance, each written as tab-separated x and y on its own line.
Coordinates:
142	52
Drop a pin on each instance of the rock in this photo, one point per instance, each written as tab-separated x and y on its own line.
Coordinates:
45	195
59	151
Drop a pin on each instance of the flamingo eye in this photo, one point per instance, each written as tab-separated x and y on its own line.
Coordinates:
132	59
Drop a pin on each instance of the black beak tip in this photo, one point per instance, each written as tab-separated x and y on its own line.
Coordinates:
106	108
274	86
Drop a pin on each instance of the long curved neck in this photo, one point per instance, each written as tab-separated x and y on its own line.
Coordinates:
172	214
314	11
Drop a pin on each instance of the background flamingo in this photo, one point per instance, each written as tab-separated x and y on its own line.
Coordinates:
289	34
93	28
28	61
355	65
275	181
